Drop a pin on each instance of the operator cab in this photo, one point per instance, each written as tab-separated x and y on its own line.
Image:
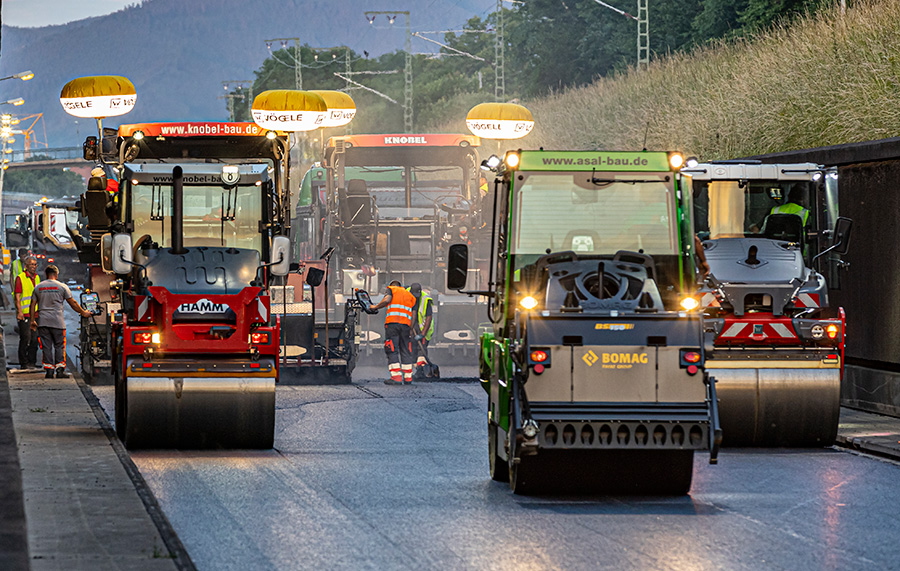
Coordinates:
221	225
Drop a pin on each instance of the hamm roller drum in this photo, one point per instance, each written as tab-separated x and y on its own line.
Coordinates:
777	406
198	409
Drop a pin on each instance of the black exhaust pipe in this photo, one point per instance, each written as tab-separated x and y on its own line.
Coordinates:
178	211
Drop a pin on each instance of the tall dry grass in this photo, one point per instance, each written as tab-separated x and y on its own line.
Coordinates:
827	79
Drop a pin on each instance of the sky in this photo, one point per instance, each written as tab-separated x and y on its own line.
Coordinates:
36	13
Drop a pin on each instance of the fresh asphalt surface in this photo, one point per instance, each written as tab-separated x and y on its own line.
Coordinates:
368	476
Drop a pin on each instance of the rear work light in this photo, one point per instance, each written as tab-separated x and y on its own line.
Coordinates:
145	338
539	356
259	338
692	357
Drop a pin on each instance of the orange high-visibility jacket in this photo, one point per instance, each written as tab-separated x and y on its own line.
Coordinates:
400	310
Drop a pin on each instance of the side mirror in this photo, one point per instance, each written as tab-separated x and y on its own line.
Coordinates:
121	253
281	256
106	253
457	266
90	149
840	240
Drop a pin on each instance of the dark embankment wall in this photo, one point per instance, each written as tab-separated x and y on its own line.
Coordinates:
869	290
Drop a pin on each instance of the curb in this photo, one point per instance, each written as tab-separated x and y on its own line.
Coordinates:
867	446
167	533
14	552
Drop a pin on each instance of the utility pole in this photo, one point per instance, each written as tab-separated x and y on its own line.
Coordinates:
500	72
241	84
407	72
349	127
643	36
298	71
643	30
347	71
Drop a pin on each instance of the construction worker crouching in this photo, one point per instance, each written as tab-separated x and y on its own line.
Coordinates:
423	328
397	326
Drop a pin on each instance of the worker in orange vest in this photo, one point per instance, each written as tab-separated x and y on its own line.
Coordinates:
397	326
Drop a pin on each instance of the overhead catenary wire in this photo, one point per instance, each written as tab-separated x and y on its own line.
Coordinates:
445	46
361	86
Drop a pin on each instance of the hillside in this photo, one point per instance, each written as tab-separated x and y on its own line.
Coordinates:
826	80
177	53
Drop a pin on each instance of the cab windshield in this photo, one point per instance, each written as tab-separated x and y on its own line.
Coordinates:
429	186
741	209
213	215
592	213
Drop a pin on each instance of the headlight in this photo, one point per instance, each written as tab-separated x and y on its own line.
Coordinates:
528	302
512	160
490	163
676	160
689	303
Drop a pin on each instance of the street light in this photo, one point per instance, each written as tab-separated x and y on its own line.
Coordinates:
24	76
17	102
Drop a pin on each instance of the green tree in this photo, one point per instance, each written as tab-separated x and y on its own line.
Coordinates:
52	183
718	19
762	13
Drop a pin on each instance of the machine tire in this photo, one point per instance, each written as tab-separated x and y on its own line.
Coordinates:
498	466
528	475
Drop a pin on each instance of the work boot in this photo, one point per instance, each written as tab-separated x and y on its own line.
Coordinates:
48	374
393	382
61	373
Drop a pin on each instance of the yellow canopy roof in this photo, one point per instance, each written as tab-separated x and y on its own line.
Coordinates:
97	85
335	99
289	100
499	112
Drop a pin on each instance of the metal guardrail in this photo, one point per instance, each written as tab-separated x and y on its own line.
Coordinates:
55	154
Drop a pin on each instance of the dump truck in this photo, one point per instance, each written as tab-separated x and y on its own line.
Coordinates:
194	278
595	361
42	229
771	234
391	205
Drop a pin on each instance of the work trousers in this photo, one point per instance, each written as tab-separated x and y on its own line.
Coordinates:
53	347
398	347
28	344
